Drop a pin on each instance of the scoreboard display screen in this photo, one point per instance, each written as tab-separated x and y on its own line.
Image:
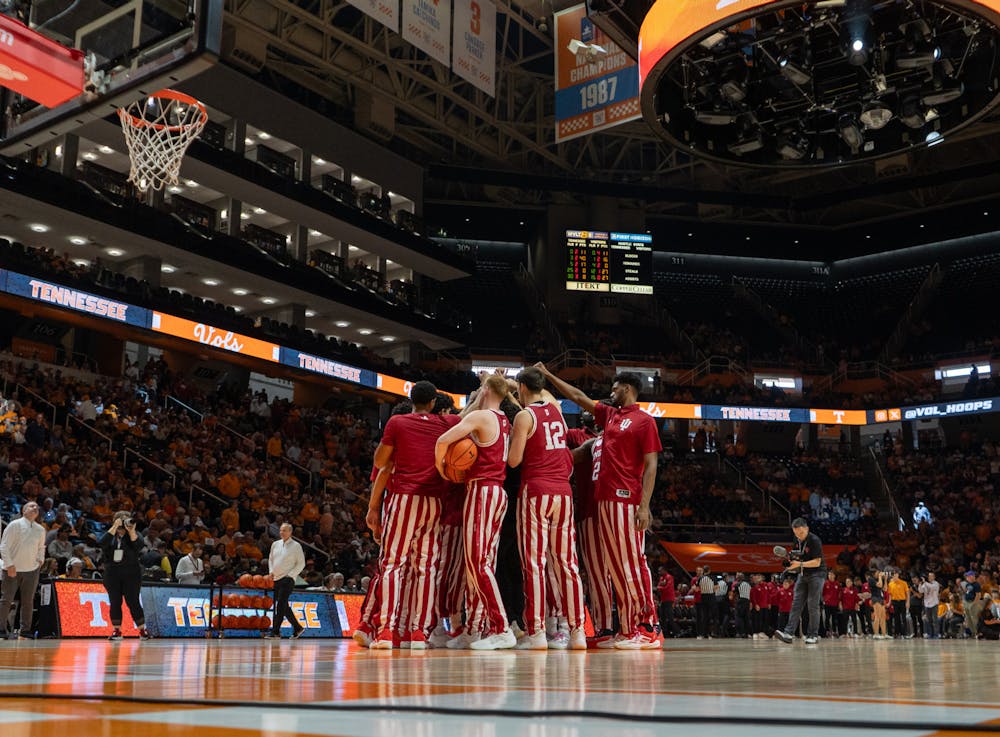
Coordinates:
609	262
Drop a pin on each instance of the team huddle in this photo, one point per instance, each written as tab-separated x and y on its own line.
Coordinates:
582	498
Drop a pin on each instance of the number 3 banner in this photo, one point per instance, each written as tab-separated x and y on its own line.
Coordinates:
598	86
474	41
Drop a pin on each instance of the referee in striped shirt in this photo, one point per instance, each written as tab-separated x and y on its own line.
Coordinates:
742	606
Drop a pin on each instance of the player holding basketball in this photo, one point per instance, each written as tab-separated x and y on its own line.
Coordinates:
625	478
545	525
483	513
410	519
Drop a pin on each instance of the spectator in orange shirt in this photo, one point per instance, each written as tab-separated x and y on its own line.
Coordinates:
310	516
274	448
229	485
231	517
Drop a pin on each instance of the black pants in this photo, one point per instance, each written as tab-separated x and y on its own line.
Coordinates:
282	591
706	613
899	618
917	615
808	591
866	620
847	616
123	582
667	626
830	620
743	617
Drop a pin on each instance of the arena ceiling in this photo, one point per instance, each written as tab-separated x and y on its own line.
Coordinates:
501	152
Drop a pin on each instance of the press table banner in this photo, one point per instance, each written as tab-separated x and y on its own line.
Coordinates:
173	610
738	558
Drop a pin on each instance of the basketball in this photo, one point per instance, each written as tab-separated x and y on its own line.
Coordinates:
268	603
231	601
246	601
246	580
459	458
258	582
268	582
229	622
265	623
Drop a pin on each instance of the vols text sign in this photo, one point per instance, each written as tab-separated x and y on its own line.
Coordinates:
427	25
597	87
385	12
215	337
474	41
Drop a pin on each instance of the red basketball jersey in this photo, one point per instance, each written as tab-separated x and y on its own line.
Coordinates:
547	463
413	437
585	477
491	464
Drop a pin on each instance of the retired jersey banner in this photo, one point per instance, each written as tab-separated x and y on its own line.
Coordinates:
597	87
427	25
385	12
474	58
739	558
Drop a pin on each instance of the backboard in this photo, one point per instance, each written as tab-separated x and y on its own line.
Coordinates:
132	47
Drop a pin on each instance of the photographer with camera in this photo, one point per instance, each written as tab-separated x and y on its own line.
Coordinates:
122	547
807	560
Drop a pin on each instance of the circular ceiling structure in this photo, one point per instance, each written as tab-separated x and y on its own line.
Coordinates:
778	83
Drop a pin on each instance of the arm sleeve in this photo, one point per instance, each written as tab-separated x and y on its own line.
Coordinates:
40	552
651	438
390	432
8	542
299	562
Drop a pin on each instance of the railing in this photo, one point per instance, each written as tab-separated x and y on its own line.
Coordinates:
767	500
150	462
110	441
577	358
897	518
40	398
283	458
186	407
913	312
557	344
680	336
767	311
713	365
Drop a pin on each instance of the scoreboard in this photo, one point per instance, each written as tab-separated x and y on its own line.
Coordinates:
609	262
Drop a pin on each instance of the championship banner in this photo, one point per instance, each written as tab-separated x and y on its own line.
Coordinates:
385	12
738	558
597	84
427	25
475	44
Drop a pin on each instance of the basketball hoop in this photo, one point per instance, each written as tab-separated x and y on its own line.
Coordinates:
158	130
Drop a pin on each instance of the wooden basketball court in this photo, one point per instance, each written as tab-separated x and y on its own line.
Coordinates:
279	688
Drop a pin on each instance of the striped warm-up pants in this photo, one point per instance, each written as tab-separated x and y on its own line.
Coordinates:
546	536
599	591
624	547
451	573
482	517
409	550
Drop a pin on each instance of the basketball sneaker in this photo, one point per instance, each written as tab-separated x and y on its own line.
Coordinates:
116	635
417	640
385	641
498	641
439	637
641	639
600	638
537	641
363	635
460	641
144	635
577	639
812	640
784	636
559	641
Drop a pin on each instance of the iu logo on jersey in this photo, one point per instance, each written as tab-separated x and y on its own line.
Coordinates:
625	424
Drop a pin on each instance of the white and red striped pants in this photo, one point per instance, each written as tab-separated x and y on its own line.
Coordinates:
625	552
451	573
483	512
599	591
546	536
409	556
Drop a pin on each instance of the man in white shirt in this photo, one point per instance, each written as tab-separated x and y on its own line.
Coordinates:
285	563
930	590
191	569
22	549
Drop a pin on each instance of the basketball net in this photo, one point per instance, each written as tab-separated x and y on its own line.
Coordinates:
158	130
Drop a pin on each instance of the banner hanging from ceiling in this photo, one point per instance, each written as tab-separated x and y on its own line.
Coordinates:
385	12
427	25
475	44
597	84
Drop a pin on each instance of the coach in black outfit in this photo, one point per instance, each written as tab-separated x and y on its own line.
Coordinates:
808	560
122	547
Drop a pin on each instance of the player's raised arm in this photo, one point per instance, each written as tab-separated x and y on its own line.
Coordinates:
567	390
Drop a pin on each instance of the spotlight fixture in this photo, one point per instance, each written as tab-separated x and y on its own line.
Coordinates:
715	118
793	72
850	132
910	112
875	116
941	91
793	146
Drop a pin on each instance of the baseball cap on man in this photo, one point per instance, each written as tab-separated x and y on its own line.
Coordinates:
970	573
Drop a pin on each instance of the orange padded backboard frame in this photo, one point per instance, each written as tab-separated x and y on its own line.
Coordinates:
37	67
